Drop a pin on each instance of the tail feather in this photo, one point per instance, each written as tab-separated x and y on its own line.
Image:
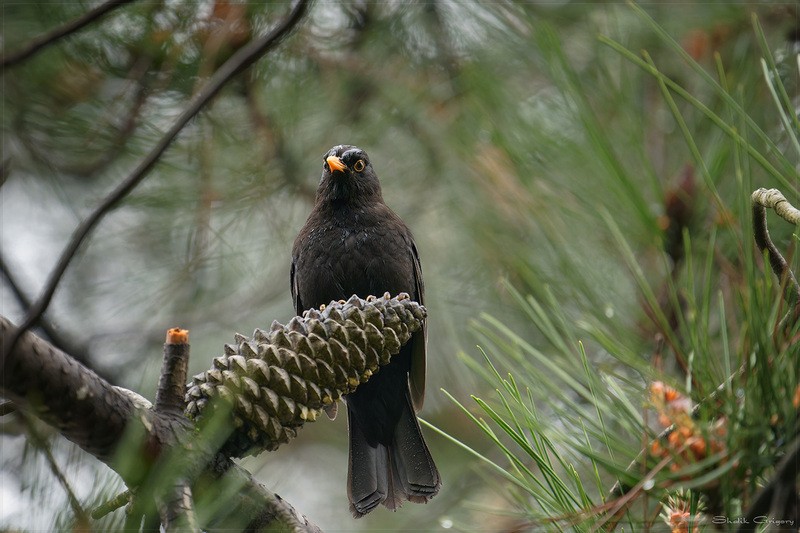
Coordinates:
415	469
367	472
390	474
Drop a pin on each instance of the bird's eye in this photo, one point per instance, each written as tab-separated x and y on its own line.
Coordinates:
325	165
359	166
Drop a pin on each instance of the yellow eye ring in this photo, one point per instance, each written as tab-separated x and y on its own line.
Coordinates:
359	165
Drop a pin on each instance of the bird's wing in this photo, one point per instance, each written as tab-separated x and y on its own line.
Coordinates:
333	408
298	305
419	340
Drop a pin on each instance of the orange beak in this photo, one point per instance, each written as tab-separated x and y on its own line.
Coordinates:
336	164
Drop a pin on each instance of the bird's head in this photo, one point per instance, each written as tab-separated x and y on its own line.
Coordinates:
347	175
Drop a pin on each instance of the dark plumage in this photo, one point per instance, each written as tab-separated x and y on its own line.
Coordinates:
352	243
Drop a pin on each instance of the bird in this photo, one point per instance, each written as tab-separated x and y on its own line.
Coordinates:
353	243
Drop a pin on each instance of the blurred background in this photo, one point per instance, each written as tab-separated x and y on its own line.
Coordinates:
562	186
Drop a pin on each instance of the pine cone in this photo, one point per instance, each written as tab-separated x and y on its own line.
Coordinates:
278	380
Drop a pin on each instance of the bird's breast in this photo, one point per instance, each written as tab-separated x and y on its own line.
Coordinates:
353	255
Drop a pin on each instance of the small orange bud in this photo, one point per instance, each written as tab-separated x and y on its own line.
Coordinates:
656	449
671	394
698	446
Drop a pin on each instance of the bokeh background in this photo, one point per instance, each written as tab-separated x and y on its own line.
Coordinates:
528	151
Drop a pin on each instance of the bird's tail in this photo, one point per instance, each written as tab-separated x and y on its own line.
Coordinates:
392	473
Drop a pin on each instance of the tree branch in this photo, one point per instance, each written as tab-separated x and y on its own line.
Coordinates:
255	397
274	143
99	417
178	514
39	43
63	342
177	508
112	505
254	507
81	516
239	61
774	199
170	393
768	502
85	408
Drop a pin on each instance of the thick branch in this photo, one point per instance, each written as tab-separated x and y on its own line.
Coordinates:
96	416
239	61
85	408
255	508
178	514
255	397
41	42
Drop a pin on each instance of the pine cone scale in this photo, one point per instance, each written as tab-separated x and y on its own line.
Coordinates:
278	380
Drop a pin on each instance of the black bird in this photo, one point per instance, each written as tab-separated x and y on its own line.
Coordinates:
352	243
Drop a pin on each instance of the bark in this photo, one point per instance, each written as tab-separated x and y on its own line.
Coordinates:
84	407
99	418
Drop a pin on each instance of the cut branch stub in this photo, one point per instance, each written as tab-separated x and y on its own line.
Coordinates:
277	380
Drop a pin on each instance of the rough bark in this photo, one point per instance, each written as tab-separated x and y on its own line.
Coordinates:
84	407
97	416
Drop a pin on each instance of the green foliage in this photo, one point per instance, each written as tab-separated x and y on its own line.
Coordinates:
576	411
591	201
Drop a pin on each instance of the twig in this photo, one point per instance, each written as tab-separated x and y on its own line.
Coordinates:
275	144
6	408
81	516
761	200
243	58
617	490
111	505
62	342
140	79
765	502
617	510
39	43
774	199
